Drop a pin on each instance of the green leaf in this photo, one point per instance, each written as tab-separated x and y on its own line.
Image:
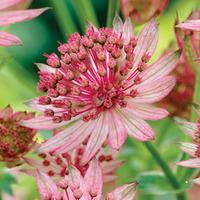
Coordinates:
155	183
6	181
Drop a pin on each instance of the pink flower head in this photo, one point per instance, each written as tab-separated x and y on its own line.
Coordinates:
103	84
15	140
75	185
11	17
193	149
141	11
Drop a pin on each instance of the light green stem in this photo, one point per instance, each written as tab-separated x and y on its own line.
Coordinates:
166	169
64	19
112	9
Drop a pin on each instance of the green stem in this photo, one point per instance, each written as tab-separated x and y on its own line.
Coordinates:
112	8
166	169
89	12
63	16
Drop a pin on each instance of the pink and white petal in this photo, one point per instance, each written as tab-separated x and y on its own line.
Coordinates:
14	4
11	17
97	138
70	194
8	39
8	3
45	68
71	138
188	128
111	166
189	148
34	104
127	31
117	132
197	181
43	123
37	164
191	163
125	192
146	111
117	25
146	44
47	187
190	25
74	178
136	127
94	179
155	90
160	68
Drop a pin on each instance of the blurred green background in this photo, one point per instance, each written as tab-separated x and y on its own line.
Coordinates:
18	80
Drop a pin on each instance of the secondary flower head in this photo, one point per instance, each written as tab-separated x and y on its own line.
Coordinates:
15	140
141	11
76	185
8	17
179	101
193	149
103	79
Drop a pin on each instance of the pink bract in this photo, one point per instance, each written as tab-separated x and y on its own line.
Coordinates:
8	17
190	25
103	84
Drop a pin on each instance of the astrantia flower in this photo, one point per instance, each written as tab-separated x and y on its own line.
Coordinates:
103	79
193	149
11	17
75	185
141	11
15	140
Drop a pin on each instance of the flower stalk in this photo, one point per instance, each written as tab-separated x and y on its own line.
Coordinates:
166	169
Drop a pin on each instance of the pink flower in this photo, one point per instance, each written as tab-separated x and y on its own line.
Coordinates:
11	17
15	140
75	185
103	84
141	11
